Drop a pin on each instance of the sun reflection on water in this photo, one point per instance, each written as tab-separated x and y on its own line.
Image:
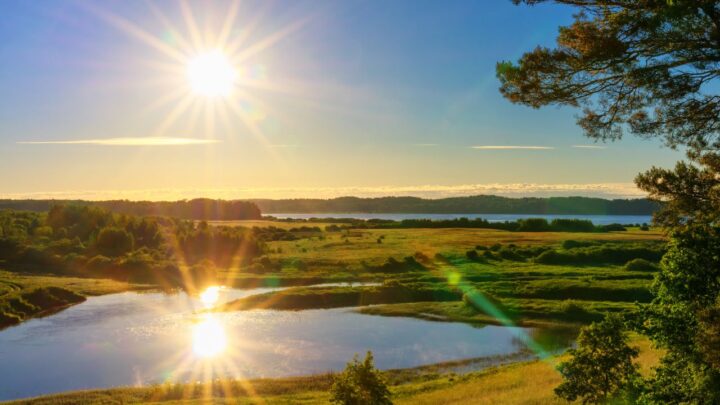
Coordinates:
209	338
210	296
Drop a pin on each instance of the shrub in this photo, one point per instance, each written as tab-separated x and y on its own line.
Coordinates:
472	255
113	242
360	384
599	255
571	244
574	311
613	227
640	265
510	254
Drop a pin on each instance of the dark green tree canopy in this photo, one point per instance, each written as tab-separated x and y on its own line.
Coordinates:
649	67
602	364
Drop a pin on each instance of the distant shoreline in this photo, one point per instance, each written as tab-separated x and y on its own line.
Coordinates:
211	209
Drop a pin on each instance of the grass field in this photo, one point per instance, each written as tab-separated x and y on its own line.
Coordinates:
532	293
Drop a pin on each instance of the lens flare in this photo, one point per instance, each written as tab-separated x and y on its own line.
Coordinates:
211	74
209	338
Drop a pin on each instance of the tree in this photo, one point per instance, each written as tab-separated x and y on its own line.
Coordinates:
360	384
112	241
601	367
651	67
684	318
644	65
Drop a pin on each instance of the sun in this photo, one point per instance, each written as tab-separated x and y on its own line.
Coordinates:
211	74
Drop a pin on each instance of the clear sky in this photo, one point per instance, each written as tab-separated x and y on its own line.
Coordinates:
127	99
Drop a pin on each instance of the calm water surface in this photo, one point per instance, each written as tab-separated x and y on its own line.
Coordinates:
596	219
141	338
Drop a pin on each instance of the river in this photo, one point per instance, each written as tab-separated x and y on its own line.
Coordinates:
596	219
143	338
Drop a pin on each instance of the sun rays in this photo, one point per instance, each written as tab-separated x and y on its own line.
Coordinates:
212	68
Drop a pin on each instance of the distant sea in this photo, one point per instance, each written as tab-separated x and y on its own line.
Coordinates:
596	219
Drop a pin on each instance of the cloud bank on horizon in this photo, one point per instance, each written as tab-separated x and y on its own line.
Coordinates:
602	190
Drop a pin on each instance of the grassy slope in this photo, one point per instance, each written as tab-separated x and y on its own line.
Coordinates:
522	383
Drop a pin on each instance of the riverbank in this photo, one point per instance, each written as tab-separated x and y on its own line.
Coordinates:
518	383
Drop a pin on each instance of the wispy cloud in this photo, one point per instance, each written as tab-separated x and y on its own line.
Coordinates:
589	147
138	141
283	145
604	190
510	147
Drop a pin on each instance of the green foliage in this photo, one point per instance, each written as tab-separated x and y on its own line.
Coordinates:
609	62
113	242
609	254
392	265
123	247
640	265
360	384
571	244
602	365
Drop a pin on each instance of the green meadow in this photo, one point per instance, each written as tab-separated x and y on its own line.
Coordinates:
433	273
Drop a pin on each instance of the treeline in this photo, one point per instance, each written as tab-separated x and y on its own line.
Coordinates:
479	204
94	242
521	225
197	209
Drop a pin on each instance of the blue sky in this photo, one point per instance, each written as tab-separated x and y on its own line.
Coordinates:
352	97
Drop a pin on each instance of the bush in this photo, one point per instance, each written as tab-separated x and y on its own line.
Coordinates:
360	384
571	244
600	255
640	265
510	254
574	311
472	255
613	227
113	242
